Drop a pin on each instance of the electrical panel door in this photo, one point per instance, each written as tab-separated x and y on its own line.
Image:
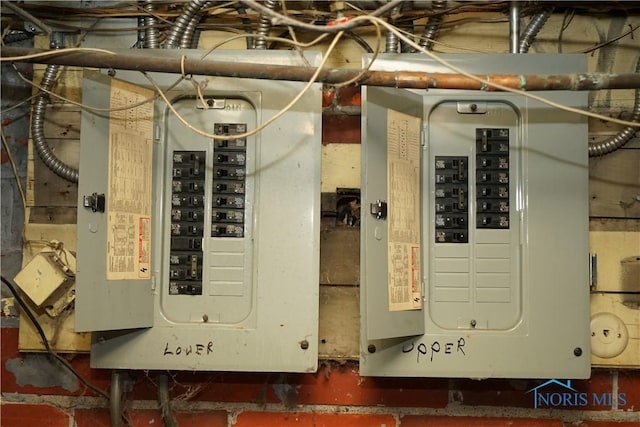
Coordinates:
475	237
219	271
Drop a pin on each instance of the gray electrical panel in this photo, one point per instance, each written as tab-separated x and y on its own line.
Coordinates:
474	257
198	246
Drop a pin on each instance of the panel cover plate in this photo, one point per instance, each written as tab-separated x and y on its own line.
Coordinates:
250	302
504	208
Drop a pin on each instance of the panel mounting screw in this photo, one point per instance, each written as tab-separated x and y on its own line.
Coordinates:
371	348
111	72
473	323
473	107
304	345
577	351
205	318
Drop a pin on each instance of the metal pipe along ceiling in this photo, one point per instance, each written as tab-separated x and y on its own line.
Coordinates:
399	79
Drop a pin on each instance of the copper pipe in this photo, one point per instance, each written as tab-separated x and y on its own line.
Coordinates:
399	79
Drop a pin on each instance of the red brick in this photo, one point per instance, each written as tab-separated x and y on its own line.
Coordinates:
334	385
99	417
349	96
494	392
150	417
275	419
600	383
353	420
202	419
629	384
8	383
607	424
211	386
342	385
433	421
515	393
328	95
23	415
340	128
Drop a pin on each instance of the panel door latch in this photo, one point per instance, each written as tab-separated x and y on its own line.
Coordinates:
95	202
379	209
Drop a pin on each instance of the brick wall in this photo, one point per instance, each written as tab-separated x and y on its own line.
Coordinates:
36	393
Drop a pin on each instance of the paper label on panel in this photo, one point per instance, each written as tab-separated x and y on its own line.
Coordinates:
403	211
129	186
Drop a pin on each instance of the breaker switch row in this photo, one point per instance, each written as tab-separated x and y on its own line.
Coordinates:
492	178
451	193
228	193
187	222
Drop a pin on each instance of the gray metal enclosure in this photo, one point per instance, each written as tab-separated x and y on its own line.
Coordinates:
497	277
222	272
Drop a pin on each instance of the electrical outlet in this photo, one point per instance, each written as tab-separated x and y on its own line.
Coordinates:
609	335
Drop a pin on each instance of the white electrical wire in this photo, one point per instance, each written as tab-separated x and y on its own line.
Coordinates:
490	83
266	123
54	53
354	21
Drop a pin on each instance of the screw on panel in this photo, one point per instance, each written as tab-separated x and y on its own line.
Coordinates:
473	323
101	340
304	345
205	318
371	348
111	72
577	351
473	107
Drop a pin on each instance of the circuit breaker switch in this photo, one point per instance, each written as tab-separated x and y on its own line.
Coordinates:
194	266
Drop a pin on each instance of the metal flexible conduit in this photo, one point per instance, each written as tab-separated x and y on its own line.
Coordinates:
533	28
191	36
391	38
16	36
611	144
163	400
433	24
151	33
264	25
179	27
37	121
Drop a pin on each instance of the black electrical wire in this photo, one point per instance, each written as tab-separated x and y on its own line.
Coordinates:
361	41
45	341
610	41
246	23
26	310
